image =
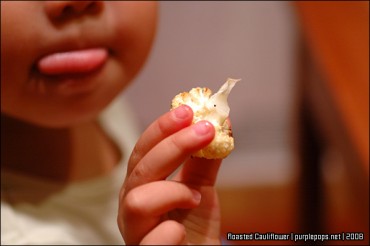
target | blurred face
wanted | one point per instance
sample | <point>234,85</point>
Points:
<point>62,62</point>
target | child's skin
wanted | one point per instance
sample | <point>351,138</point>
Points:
<point>51,97</point>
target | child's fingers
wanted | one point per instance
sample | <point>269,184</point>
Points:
<point>143,207</point>
<point>163,127</point>
<point>167,155</point>
<point>200,171</point>
<point>156,198</point>
<point>169,232</point>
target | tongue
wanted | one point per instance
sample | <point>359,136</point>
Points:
<point>72,62</point>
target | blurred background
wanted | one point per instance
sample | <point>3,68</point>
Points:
<point>300,162</point>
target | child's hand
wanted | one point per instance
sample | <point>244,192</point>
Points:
<point>184,209</point>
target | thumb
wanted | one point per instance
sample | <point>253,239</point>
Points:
<point>199,172</point>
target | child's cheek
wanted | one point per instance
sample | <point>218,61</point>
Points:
<point>134,25</point>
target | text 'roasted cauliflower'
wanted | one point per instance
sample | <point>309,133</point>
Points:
<point>215,109</point>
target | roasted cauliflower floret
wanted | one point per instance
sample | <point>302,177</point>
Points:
<point>215,109</point>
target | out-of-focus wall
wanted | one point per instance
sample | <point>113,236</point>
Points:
<point>204,43</point>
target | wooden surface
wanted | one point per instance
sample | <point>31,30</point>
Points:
<point>259,209</point>
<point>337,34</point>
<point>335,94</point>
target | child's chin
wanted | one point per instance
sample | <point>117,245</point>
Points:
<point>61,120</point>
<point>77,113</point>
<point>61,123</point>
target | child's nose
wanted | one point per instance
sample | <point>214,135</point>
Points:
<point>60,10</point>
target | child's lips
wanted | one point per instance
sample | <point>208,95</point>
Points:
<point>73,62</point>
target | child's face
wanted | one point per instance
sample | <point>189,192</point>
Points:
<point>44,80</point>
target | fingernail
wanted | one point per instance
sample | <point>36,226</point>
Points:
<point>182,112</point>
<point>202,128</point>
<point>196,195</point>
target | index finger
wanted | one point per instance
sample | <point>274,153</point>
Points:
<point>166,156</point>
<point>164,126</point>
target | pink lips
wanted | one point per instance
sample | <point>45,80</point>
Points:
<point>73,62</point>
